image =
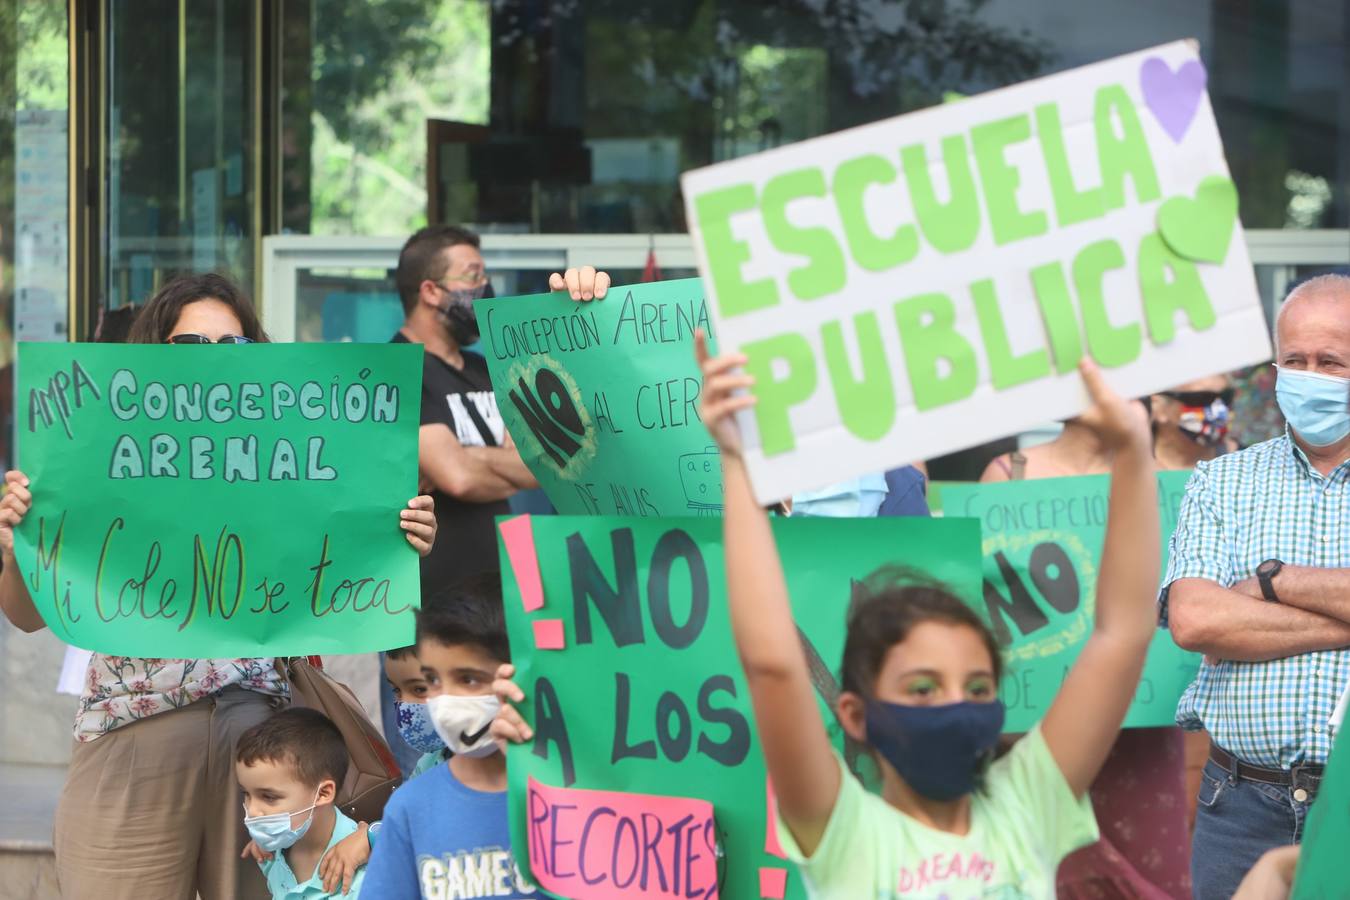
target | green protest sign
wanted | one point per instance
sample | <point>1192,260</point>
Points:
<point>645,765</point>
<point>927,283</point>
<point>1042,546</point>
<point>602,398</point>
<point>1321,869</point>
<point>218,500</point>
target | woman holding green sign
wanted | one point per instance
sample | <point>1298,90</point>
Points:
<point>150,807</point>
<point>920,678</point>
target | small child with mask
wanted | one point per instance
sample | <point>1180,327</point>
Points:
<point>289,768</point>
<point>403,671</point>
<point>453,818</point>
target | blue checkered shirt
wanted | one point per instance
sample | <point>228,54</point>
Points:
<point>1265,502</point>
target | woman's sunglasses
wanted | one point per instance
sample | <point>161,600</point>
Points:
<point>1201,399</point>
<point>203,339</point>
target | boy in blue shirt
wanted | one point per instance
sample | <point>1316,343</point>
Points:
<point>445,833</point>
<point>289,768</point>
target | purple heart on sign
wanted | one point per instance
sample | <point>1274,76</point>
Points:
<point>1172,97</point>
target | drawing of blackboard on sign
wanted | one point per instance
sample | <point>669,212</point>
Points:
<point>701,478</point>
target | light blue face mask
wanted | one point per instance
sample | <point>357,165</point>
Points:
<point>274,833</point>
<point>1314,405</point>
<point>859,498</point>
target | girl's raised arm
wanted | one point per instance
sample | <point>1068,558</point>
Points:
<point>1085,717</point>
<point>797,753</point>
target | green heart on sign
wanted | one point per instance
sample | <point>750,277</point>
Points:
<point>1201,229</point>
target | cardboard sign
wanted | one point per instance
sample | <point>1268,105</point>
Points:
<point>218,500</point>
<point>640,710</point>
<point>924,284</point>
<point>1042,548</point>
<point>602,398</point>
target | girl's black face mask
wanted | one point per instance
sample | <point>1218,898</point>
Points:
<point>940,751</point>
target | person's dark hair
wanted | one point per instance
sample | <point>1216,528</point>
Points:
<point>401,652</point>
<point>114,325</point>
<point>467,613</point>
<point>885,607</point>
<point>304,739</point>
<point>422,259</point>
<point>160,313</point>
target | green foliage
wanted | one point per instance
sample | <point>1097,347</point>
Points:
<point>381,69</point>
<point>43,57</point>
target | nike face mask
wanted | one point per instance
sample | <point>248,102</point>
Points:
<point>463,722</point>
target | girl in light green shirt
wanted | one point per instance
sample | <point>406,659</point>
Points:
<point>920,679</point>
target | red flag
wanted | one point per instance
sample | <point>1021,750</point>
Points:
<point>652,271</point>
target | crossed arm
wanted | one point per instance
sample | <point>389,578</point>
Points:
<point>1238,624</point>
<point>476,474</point>
<point>505,461</point>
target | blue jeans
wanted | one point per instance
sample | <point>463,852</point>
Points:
<point>1236,822</point>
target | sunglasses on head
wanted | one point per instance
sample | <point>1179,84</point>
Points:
<point>203,339</point>
<point>1201,398</point>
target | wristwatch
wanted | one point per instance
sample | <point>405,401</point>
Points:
<point>1265,575</point>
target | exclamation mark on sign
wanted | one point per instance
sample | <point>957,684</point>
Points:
<point>772,882</point>
<point>518,539</point>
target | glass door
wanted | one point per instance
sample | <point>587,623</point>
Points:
<point>179,141</point>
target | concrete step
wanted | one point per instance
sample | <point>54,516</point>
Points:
<point>27,865</point>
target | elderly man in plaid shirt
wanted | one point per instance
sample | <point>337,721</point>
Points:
<point>1259,582</point>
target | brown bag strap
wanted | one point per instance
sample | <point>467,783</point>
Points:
<point>283,665</point>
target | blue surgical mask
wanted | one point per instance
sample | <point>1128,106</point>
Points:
<point>1314,405</point>
<point>856,499</point>
<point>938,750</point>
<point>414,726</point>
<point>274,833</point>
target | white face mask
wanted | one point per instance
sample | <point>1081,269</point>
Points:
<point>273,832</point>
<point>463,722</point>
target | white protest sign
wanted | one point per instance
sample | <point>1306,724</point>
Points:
<point>927,283</point>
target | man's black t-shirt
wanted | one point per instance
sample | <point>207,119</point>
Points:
<point>462,400</point>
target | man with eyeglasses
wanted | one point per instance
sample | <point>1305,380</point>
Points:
<point>466,458</point>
